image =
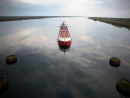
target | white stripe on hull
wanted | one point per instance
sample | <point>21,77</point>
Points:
<point>64,39</point>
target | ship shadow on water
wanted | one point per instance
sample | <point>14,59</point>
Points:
<point>64,48</point>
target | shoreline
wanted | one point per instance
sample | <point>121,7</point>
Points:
<point>16,18</point>
<point>119,22</point>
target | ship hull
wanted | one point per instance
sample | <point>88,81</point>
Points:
<point>64,43</point>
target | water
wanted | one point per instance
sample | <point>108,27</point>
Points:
<point>43,71</point>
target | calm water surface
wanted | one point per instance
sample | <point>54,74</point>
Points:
<point>43,71</point>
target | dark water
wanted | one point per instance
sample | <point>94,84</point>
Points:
<point>43,71</point>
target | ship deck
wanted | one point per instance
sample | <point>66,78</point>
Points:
<point>64,33</point>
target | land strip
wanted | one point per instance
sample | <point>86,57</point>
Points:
<point>15,18</point>
<point>119,22</point>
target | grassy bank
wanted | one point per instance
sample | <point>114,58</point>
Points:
<point>121,22</point>
<point>2,81</point>
<point>15,18</point>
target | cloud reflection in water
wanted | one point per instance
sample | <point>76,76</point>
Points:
<point>44,71</point>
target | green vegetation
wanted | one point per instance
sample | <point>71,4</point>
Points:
<point>11,57</point>
<point>124,83</point>
<point>115,59</point>
<point>120,22</point>
<point>121,80</point>
<point>2,81</point>
<point>13,18</point>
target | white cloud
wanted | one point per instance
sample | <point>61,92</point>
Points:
<point>82,7</point>
<point>97,2</point>
<point>45,2</point>
<point>104,8</point>
<point>76,6</point>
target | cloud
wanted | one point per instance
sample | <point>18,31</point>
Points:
<point>104,8</point>
<point>45,2</point>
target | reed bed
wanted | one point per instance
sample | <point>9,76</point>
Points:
<point>121,22</point>
<point>14,18</point>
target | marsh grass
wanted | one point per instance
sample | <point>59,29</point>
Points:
<point>115,59</point>
<point>11,57</point>
<point>15,18</point>
<point>2,81</point>
<point>125,83</point>
<point>121,22</point>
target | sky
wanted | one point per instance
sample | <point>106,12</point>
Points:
<point>90,8</point>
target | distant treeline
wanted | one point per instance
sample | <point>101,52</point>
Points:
<point>13,18</point>
<point>120,22</point>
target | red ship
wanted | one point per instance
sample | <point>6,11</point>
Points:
<point>64,38</point>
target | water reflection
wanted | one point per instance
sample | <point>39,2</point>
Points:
<point>64,48</point>
<point>43,71</point>
<point>11,63</point>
